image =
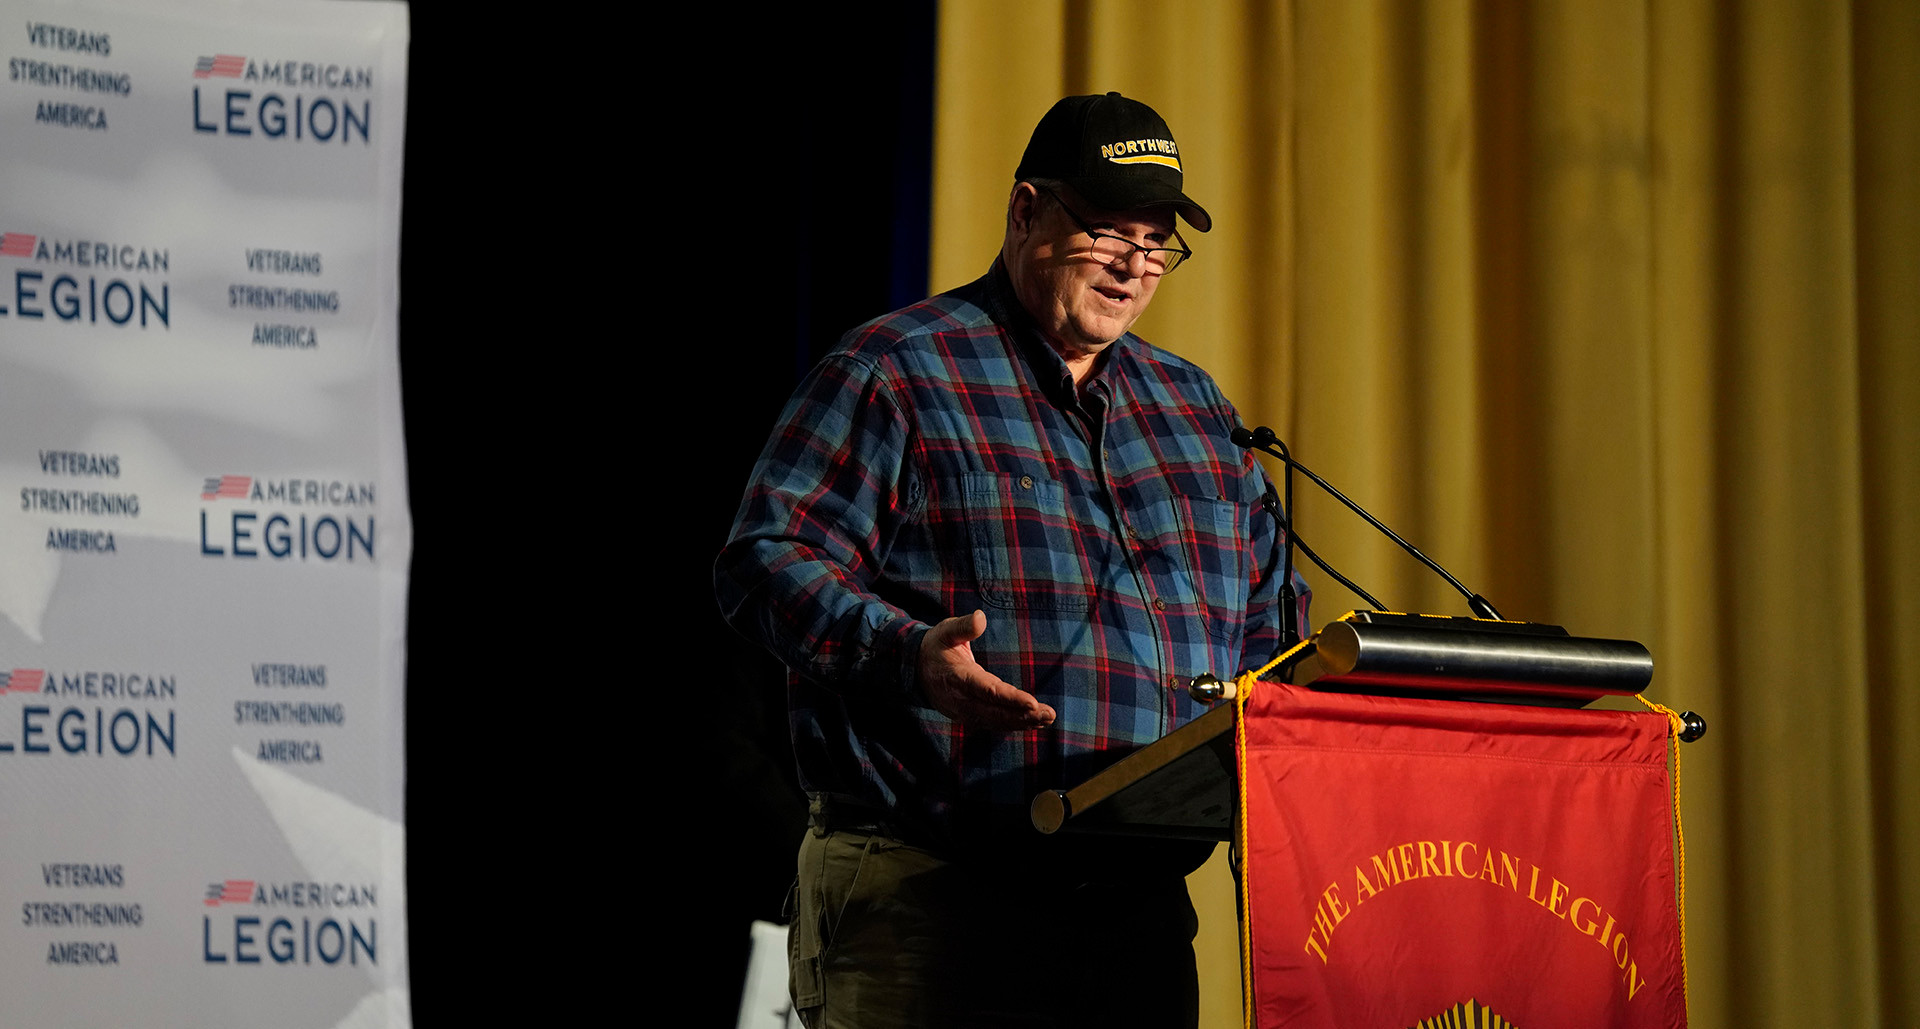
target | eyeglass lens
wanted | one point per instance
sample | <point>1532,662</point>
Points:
<point>1113,250</point>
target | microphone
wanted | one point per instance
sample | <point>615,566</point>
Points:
<point>1246,440</point>
<point>1264,440</point>
<point>1291,632</point>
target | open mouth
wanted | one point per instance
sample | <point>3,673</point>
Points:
<point>1118,296</point>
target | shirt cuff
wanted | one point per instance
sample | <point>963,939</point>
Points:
<point>909,677</point>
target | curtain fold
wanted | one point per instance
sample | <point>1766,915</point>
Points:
<point>1613,309</point>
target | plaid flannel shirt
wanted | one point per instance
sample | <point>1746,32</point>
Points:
<point>942,460</point>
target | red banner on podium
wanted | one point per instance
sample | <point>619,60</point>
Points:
<point>1408,862</point>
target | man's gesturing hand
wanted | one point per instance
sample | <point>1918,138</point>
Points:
<point>962,690</point>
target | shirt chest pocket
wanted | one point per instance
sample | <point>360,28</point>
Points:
<point>1026,548</point>
<point>1218,550</point>
<point>1201,544</point>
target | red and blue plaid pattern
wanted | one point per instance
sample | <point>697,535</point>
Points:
<point>941,460</point>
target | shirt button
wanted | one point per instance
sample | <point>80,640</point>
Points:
<point>1159,605</point>
<point>1026,482</point>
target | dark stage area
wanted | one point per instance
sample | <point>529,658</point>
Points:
<point>613,273</point>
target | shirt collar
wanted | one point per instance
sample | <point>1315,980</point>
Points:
<point>1049,369</point>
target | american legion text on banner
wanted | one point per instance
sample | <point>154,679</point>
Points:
<point>205,544</point>
<point>1425,862</point>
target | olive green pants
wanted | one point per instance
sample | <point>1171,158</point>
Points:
<point>887,935</point>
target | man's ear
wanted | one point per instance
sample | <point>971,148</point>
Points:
<point>1023,206</point>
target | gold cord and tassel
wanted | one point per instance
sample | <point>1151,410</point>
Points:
<point>1675,726</point>
<point>1243,689</point>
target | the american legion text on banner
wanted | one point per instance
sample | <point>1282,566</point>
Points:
<point>205,545</point>
<point>1410,860</point>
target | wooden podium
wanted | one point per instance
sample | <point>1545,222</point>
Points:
<point>1403,859</point>
<point>1183,785</point>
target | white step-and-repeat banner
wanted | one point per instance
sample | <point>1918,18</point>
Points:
<point>204,538</point>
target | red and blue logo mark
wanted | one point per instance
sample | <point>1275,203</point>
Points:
<point>219,66</point>
<point>22,680</point>
<point>226,487</point>
<point>230,891</point>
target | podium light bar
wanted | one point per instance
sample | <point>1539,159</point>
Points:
<point>1469,658</point>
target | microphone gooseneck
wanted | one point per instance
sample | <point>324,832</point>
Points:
<point>1264,440</point>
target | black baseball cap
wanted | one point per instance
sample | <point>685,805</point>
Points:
<point>1116,152</point>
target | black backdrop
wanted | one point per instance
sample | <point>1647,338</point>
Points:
<point>622,244</point>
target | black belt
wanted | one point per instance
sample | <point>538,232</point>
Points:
<point>828,813</point>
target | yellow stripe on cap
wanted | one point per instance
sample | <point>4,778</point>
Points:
<point>1160,159</point>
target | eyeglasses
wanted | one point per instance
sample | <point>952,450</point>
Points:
<point>1114,249</point>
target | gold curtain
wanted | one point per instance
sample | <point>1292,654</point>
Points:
<point>1613,308</point>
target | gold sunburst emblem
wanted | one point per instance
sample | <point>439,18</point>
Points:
<point>1468,1014</point>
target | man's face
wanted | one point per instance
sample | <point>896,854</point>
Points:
<point>1082,301</point>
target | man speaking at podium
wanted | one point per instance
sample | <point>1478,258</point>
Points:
<point>992,537</point>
